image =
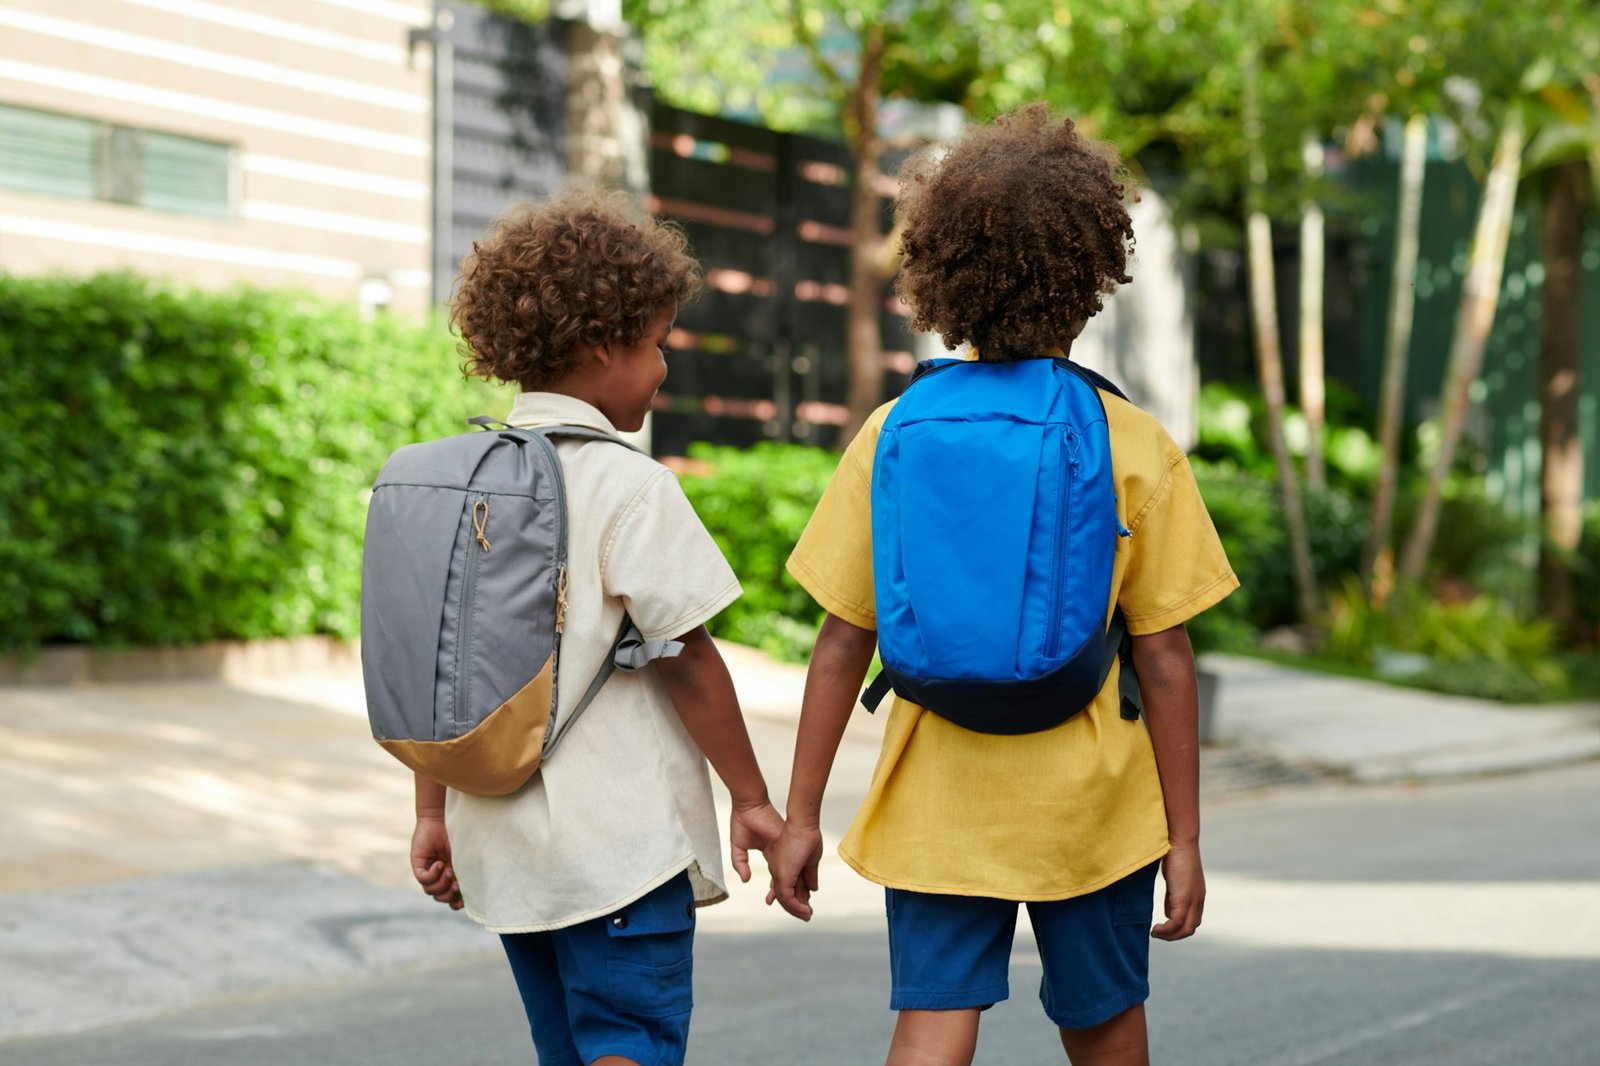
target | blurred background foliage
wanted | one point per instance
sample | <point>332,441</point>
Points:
<point>186,466</point>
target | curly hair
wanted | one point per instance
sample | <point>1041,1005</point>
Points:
<point>583,268</point>
<point>1012,234</point>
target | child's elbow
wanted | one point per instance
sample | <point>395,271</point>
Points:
<point>838,634</point>
<point>1163,652</point>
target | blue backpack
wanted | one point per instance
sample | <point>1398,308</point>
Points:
<point>994,529</point>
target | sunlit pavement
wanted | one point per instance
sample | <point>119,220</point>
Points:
<point>177,891</point>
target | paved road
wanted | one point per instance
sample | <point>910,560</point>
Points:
<point>1452,923</point>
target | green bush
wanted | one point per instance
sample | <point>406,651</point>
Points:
<point>1245,508</point>
<point>1234,427</point>
<point>1477,540</point>
<point>756,503</point>
<point>186,466</point>
<point>1588,568</point>
<point>1476,647</point>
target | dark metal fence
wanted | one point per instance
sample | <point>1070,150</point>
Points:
<point>499,93</point>
<point>761,355</point>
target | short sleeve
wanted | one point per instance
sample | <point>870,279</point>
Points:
<point>1176,565</point>
<point>664,566</point>
<point>833,559</point>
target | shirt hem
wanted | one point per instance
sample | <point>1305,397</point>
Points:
<point>700,615</point>
<point>622,901</point>
<point>996,893</point>
<point>1196,603</point>
<point>827,599</point>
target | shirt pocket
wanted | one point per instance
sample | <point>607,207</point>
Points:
<point>650,952</point>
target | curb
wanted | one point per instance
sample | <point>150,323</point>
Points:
<point>242,660</point>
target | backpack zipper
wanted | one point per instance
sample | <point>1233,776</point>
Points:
<point>1069,471</point>
<point>561,573</point>
<point>469,588</point>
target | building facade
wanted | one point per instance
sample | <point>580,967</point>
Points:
<point>284,143</point>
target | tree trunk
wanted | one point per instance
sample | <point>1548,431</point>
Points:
<point>1396,352</point>
<point>1269,363</point>
<point>1480,296</point>
<point>864,336</point>
<point>1313,392</point>
<point>1269,352</point>
<point>1561,495</point>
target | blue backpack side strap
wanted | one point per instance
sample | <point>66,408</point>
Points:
<point>1119,645</point>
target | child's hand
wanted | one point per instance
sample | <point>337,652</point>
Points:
<point>1186,894</point>
<point>430,862</point>
<point>755,827</point>
<point>794,869</point>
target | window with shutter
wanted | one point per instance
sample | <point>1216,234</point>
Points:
<point>48,153</point>
<point>64,155</point>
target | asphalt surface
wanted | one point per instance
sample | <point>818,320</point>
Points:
<point>1444,923</point>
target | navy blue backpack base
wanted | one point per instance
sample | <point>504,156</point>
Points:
<point>994,533</point>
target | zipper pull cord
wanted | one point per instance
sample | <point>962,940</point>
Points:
<point>480,523</point>
<point>561,599</point>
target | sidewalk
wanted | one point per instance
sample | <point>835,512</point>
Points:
<point>1363,730</point>
<point>175,842</point>
<point>1373,732</point>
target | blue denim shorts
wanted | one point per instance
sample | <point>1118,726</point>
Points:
<point>954,952</point>
<point>618,985</point>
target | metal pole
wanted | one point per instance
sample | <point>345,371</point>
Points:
<point>438,37</point>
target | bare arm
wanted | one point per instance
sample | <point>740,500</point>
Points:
<point>1165,664</point>
<point>702,694</point>
<point>430,845</point>
<point>839,663</point>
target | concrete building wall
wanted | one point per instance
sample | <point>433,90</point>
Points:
<point>1144,337</point>
<point>325,112</point>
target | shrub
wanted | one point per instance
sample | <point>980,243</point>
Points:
<point>1476,647</point>
<point>756,503</point>
<point>1478,541</point>
<point>187,466</point>
<point>1234,428</point>
<point>1245,508</point>
<point>1588,568</point>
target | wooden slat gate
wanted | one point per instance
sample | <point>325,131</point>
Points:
<point>761,355</point>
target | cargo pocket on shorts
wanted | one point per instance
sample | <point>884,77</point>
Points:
<point>650,952</point>
<point>1133,898</point>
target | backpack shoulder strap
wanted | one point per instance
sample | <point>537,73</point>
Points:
<point>582,433</point>
<point>1098,380</point>
<point>629,651</point>
<point>558,430</point>
<point>929,366</point>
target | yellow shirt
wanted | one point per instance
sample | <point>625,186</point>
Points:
<point>1046,815</point>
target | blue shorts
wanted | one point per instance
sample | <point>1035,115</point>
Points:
<point>618,985</point>
<point>954,952</point>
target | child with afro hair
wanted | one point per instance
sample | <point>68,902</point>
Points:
<point>592,872</point>
<point>1014,234</point>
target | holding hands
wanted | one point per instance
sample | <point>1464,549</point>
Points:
<point>755,826</point>
<point>794,869</point>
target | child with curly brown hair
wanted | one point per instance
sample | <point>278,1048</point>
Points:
<point>1013,236</point>
<point>591,872</point>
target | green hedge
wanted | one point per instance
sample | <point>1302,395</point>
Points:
<point>756,503</point>
<point>181,466</point>
<point>1244,507</point>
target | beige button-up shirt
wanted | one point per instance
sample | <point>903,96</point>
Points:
<point>624,803</point>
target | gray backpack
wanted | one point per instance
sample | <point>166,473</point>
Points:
<point>463,603</point>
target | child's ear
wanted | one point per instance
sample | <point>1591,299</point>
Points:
<point>588,353</point>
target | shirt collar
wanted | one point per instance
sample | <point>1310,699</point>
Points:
<point>553,408</point>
